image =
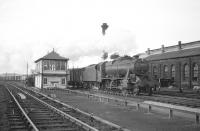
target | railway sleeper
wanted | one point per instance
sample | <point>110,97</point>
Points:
<point>14,119</point>
<point>13,116</point>
<point>14,127</point>
<point>42,116</point>
<point>64,129</point>
<point>49,122</point>
<point>40,112</point>
<point>63,125</point>
<point>19,123</point>
<point>44,119</point>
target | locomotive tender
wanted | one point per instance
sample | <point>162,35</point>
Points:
<point>124,74</point>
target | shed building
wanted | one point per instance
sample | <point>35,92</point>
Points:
<point>180,63</point>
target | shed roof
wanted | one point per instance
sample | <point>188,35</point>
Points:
<point>175,54</point>
<point>52,56</point>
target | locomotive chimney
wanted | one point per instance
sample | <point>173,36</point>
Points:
<point>179,45</point>
<point>163,48</point>
<point>148,51</point>
<point>136,56</point>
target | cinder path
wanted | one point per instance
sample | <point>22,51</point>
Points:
<point>127,117</point>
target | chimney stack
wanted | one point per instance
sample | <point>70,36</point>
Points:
<point>163,48</point>
<point>179,45</point>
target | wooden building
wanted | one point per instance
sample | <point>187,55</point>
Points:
<point>179,63</point>
<point>51,71</point>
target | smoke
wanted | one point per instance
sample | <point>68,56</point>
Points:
<point>29,30</point>
<point>81,52</point>
<point>91,50</point>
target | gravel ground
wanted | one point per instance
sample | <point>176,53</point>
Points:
<point>129,118</point>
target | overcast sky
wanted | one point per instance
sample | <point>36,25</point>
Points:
<point>31,28</point>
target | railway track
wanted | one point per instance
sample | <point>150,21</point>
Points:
<point>183,101</point>
<point>75,113</point>
<point>186,94</point>
<point>15,117</point>
<point>38,116</point>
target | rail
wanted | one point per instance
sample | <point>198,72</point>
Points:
<point>23,112</point>
<point>72,119</point>
<point>150,104</point>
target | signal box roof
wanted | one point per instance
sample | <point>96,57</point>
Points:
<point>52,56</point>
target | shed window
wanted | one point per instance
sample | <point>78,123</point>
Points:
<point>186,72</point>
<point>45,81</point>
<point>195,72</point>
<point>155,71</point>
<point>173,71</point>
<point>165,71</point>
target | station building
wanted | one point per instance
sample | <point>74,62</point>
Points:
<point>51,71</point>
<point>179,63</point>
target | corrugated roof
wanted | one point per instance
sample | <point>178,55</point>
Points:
<point>52,56</point>
<point>175,54</point>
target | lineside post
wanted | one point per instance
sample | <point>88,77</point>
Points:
<point>126,103</point>
<point>138,106</point>
<point>197,118</point>
<point>170,113</point>
<point>108,99</point>
<point>149,108</point>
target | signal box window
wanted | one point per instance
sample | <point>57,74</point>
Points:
<point>195,72</point>
<point>62,65</point>
<point>46,65</point>
<point>45,80</point>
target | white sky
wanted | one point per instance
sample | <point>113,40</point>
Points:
<point>31,28</point>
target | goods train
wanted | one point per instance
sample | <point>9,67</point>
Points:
<point>126,75</point>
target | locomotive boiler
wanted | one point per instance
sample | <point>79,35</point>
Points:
<point>123,74</point>
<point>120,68</point>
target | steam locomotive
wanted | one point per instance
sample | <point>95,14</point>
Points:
<point>126,75</point>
